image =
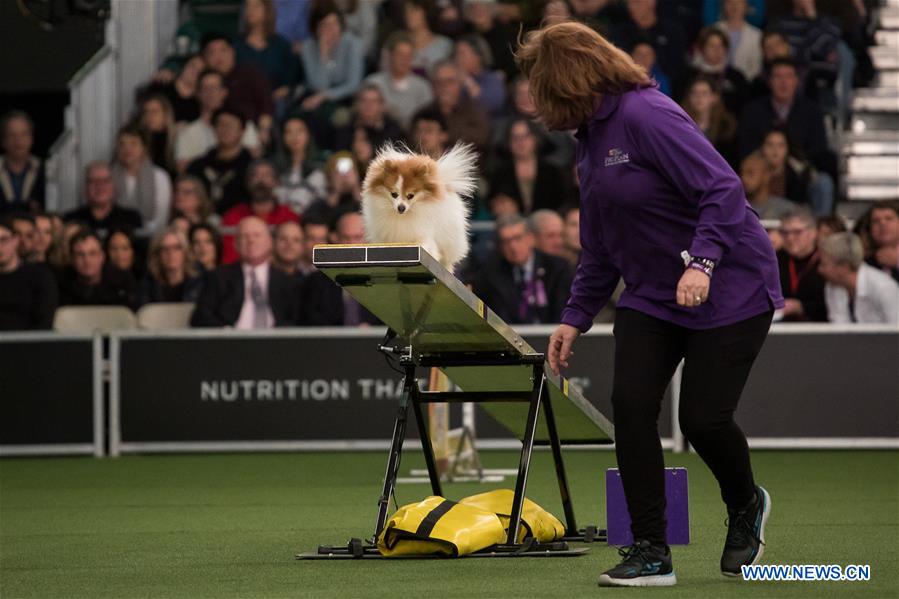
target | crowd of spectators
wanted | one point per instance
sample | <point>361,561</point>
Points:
<point>242,156</point>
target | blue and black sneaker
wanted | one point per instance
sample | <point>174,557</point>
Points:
<point>745,541</point>
<point>644,565</point>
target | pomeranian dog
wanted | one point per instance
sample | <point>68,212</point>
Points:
<point>412,198</point>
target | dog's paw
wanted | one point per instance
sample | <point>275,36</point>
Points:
<point>433,250</point>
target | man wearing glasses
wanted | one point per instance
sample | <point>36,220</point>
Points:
<point>522,284</point>
<point>802,285</point>
<point>101,213</point>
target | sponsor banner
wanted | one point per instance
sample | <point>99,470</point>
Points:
<point>49,400</point>
<point>814,385</point>
<point>255,389</point>
<point>280,388</point>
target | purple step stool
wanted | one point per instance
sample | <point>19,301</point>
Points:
<point>677,512</point>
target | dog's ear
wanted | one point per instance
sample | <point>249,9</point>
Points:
<point>389,165</point>
<point>423,169</point>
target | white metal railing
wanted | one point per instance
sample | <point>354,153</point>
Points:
<point>102,92</point>
<point>90,121</point>
<point>143,31</point>
<point>61,171</point>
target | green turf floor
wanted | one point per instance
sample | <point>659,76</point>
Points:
<point>229,525</point>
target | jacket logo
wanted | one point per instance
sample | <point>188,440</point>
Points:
<point>617,156</point>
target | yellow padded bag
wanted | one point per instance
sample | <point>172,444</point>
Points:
<point>536,521</point>
<point>438,526</point>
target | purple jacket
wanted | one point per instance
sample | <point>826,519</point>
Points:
<point>652,186</point>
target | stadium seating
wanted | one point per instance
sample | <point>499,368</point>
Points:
<point>85,319</point>
<point>165,316</point>
<point>872,148</point>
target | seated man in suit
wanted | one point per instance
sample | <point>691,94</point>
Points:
<point>522,284</point>
<point>248,294</point>
<point>322,302</point>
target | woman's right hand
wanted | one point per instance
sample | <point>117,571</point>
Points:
<point>560,346</point>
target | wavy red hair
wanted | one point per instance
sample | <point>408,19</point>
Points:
<point>570,67</point>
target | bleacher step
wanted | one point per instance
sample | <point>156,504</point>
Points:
<point>876,99</point>
<point>873,168</point>
<point>871,192</point>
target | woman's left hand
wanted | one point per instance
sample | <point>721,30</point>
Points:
<point>693,288</point>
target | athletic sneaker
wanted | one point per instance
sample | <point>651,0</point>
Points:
<point>745,542</point>
<point>644,565</point>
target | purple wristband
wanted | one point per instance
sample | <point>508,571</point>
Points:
<point>703,265</point>
<point>701,268</point>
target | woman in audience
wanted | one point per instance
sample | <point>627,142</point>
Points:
<point>120,253</point>
<point>430,48</point>
<point>206,246</point>
<point>190,201</point>
<point>795,178</point>
<point>703,103</point>
<point>362,148</point>
<point>262,47</point>
<point>370,113</point>
<point>644,55</point>
<point>711,60</point>
<point>158,120</point>
<point>879,231</point>
<point>58,224</point>
<point>301,182</point>
<point>557,147</point>
<point>139,183</point>
<point>44,238</point>
<point>59,257</point>
<point>344,190</point>
<point>525,178</point>
<point>486,87</point>
<point>180,224</point>
<point>182,91</point>
<point>790,176</point>
<point>333,65</point>
<point>745,48</point>
<point>171,272</point>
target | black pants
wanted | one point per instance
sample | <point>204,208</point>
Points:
<point>716,366</point>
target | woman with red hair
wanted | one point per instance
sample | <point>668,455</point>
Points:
<point>661,209</point>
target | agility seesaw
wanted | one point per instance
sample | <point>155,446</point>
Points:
<point>435,321</point>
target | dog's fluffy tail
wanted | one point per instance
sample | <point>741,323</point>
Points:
<point>458,168</point>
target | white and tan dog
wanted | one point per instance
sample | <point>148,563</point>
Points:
<point>412,198</point>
